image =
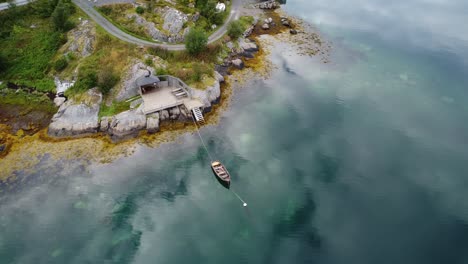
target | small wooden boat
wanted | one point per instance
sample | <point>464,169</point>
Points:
<point>221,174</point>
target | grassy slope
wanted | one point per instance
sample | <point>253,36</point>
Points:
<point>117,15</point>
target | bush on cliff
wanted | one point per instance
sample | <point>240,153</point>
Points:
<point>196,41</point>
<point>235,29</point>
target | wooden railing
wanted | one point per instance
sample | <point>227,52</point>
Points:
<point>176,82</point>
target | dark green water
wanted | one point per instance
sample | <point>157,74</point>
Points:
<point>362,160</point>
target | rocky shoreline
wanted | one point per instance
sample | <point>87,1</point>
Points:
<point>77,119</point>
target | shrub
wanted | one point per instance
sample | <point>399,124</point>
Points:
<point>106,10</point>
<point>149,62</point>
<point>60,64</point>
<point>87,79</point>
<point>140,10</point>
<point>235,29</point>
<point>107,79</point>
<point>196,41</point>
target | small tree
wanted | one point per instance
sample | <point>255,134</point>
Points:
<point>107,79</point>
<point>235,29</point>
<point>60,17</point>
<point>196,41</point>
<point>140,10</point>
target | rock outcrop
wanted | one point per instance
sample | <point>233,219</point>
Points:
<point>82,39</point>
<point>268,5</point>
<point>211,94</point>
<point>127,124</point>
<point>174,20</point>
<point>173,28</point>
<point>127,87</point>
<point>75,119</point>
<point>152,123</point>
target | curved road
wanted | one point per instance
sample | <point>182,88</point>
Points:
<point>87,7</point>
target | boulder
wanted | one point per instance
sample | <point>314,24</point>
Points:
<point>105,123</point>
<point>249,46</point>
<point>152,123</point>
<point>285,23</point>
<point>268,5</point>
<point>164,115</point>
<point>174,113</point>
<point>73,119</point>
<point>270,20</point>
<point>238,63</point>
<point>127,124</point>
<point>58,101</point>
<point>2,147</point>
<point>265,26</point>
<point>293,31</point>
<point>82,39</point>
<point>248,31</point>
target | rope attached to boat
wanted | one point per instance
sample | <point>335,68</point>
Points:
<point>211,158</point>
<point>203,142</point>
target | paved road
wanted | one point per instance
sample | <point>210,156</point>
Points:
<point>4,6</point>
<point>87,7</point>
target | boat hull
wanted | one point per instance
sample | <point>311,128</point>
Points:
<point>225,183</point>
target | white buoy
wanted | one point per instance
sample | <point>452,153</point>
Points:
<point>245,204</point>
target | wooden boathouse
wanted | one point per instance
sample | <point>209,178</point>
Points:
<point>165,91</point>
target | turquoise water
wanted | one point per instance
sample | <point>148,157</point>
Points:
<point>362,160</point>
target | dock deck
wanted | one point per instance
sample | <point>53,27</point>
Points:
<point>162,98</point>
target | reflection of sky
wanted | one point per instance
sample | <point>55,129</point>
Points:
<point>434,24</point>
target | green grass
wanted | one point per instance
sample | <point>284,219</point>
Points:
<point>28,51</point>
<point>113,18</point>
<point>246,21</point>
<point>21,98</point>
<point>113,109</point>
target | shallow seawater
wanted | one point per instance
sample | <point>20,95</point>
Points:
<point>360,160</point>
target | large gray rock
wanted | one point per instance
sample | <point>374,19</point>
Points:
<point>82,39</point>
<point>268,5</point>
<point>105,123</point>
<point>174,113</point>
<point>209,96</point>
<point>152,123</point>
<point>58,101</point>
<point>127,124</point>
<point>249,46</point>
<point>164,115</point>
<point>128,88</point>
<point>174,20</point>
<point>75,119</point>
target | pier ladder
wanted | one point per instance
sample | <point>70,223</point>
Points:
<point>198,115</point>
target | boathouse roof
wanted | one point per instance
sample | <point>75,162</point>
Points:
<point>148,79</point>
